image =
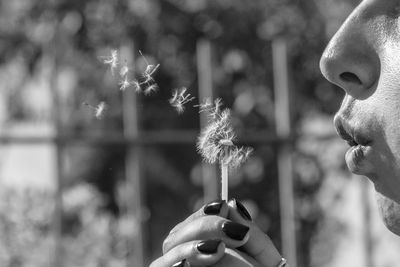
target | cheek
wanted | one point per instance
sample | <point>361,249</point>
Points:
<point>390,213</point>
<point>383,109</point>
<point>389,117</point>
<point>385,103</point>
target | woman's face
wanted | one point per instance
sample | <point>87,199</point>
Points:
<point>363,58</point>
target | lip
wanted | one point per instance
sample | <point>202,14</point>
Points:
<point>356,159</point>
<point>360,146</point>
<point>350,134</point>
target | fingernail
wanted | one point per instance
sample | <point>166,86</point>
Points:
<point>243,211</point>
<point>180,264</point>
<point>208,246</point>
<point>213,208</point>
<point>234,230</point>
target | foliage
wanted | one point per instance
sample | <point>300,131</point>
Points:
<point>92,238</point>
<point>25,227</point>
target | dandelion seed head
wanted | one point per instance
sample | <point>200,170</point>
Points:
<point>237,156</point>
<point>216,141</point>
<point>209,143</point>
<point>226,142</point>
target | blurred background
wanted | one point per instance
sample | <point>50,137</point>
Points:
<point>78,189</point>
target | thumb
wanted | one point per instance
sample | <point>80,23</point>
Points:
<point>259,246</point>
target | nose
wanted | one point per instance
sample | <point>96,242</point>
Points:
<point>351,60</point>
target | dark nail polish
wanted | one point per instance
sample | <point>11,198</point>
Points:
<point>234,230</point>
<point>213,208</point>
<point>208,246</point>
<point>179,264</point>
<point>243,211</point>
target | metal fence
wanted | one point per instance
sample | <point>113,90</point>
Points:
<point>134,139</point>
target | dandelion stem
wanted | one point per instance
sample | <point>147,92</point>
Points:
<point>224,171</point>
<point>224,181</point>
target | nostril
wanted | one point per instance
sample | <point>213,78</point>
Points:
<point>350,77</point>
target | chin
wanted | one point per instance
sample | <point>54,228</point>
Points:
<point>390,213</point>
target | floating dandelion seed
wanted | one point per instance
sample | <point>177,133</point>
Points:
<point>112,60</point>
<point>179,99</point>
<point>99,110</point>
<point>151,89</point>
<point>205,105</point>
<point>125,83</point>
<point>136,85</point>
<point>215,143</point>
<point>149,71</point>
<point>213,109</point>
<point>124,70</point>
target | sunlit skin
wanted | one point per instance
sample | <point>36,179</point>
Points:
<point>363,58</point>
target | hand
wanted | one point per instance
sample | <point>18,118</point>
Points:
<point>219,234</point>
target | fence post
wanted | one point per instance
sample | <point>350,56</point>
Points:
<point>367,231</point>
<point>283,131</point>
<point>132,165</point>
<point>57,260</point>
<point>205,87</point>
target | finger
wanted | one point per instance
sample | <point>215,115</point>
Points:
<point>235,258</point>
<point>209,227</point>
<point>259,245</point>
<point>217,207</point>
<point>196,253</point>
